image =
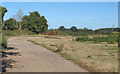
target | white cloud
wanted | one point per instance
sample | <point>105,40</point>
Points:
<point>60,0</point>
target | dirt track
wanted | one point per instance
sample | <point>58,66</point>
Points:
<point>35,58</point>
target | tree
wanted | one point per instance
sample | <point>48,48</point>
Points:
<point>2,12</point>
<point>35,23</point>
<point>61,28</point>
<point>10,24</point>
<point>19,17</point>
<point>73,29</point>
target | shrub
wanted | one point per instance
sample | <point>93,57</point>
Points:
<point>99,39</point>
<point>113,38</point>
<point>59,47</point>
<point>3,42</point>
<point>82,39</point>
<point>51,32</point>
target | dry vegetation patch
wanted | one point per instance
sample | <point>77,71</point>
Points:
<point>93,57</point>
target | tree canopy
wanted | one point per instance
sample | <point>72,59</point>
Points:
<point>73,29</point>
<point>35,23</point>
<point>61,28</point>
<point>10,24</point>
<point>2,12</point>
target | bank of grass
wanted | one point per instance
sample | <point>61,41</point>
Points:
<point>3,41</point>
<point>10,33</point>
<point>17,32</point>
<point>92,57</point>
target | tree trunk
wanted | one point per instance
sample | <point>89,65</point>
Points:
<point>20,26</point>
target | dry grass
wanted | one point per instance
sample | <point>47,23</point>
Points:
<point>93,57</point>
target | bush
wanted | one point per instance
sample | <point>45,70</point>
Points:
<point>59,47</point>
<point>3,42</point>
<point>82,39</point>
<point>51,32</point>
<point>99,39</point>
<point>113,38</point>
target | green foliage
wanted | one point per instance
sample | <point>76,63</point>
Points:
<point>3,41</point>
<point>10,24</point>
<point>113,38</point>
<point>82,39</point>
<point>2,12</point>
<point>106,30</point>
<point>61,28</point>
<point>73,29</point>
<point>99,39</point>
<point>35,23</point>
<point>17,32</point>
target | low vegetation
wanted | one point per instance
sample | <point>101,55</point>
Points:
<point>3,41</point>
<point>17,32</point>
<point>111,39</point>
<point>87,55</point>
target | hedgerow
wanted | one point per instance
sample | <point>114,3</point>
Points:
<point>110,39</point>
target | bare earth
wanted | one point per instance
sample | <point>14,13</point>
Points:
<point>35,58</point>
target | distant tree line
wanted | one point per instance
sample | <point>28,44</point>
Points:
<point>74,31</point>
<point>36,23</point>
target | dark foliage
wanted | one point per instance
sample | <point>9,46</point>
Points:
<point>10,24</point>
<point>113,38</point>
<point>35,23</point>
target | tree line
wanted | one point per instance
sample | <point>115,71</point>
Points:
<point>33,22</point>
<point>36,23</point>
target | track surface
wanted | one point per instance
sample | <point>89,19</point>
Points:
<point>35,58</point>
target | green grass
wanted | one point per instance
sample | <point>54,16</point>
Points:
<point>17,32</point>
<point>111,39</point>
<point>112,49</point>
<point>3,41</point>
<point>41,45</point>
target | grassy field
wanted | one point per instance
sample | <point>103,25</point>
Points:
<point>101,57</point>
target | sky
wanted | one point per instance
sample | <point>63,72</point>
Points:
<point>92,15</point>
<point>59,0</point>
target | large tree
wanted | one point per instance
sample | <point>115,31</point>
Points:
<point>10,24</point>
<point>35,23</point>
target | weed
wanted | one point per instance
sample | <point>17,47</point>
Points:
<point>89,56</point>
<point>73,50</point>
<point>59,47</point>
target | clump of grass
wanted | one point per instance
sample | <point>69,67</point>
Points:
<point>89,56</point>
<point>59,47</point>
<point>67,57</point>
<point>73,50</point>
